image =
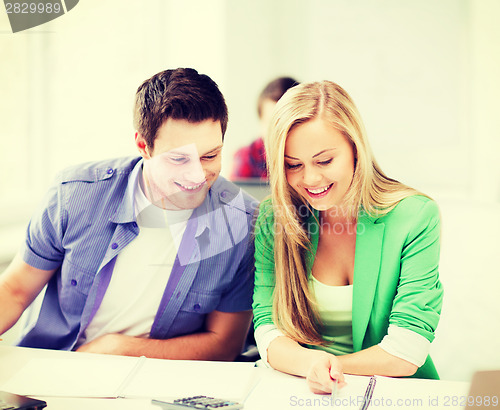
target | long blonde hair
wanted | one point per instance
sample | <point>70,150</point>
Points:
<point>371,191</point>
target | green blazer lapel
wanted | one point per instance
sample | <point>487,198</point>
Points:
<point>369,240</point>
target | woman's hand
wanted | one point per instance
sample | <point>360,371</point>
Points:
<point>321,369</point>
<point>324,371</point>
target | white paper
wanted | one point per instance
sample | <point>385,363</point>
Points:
<point>180,378</point>
<point>280,391</point>
<point>113,376</point>
<point>419,393</point>
<point>277,390</point>
<point>79,377</point>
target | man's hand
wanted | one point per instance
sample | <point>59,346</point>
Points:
<point>324,371</point>
<point>112,343</point>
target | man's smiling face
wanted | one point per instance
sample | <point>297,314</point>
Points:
<point>184,163</point>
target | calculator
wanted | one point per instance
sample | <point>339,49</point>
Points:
<point>198,402</point>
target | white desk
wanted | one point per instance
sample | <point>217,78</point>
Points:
<point>273,391</point>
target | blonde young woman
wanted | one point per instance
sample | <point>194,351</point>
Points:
<point>346,258</point>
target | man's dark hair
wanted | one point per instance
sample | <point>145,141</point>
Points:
<point>275,90</point>
<point>180,94</point>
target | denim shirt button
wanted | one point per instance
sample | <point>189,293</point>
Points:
<point>114,245</point>
<point>197,307</point>
<point>74,282</point>
<point>223,194</point>
<point>110,171</point>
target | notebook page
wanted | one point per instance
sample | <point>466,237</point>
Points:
<point>278,390</point>
<point>419,393</point>
<point>99,376</point>
<point>175,378</point>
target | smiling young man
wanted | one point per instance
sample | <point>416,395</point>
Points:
<point>148,255</point>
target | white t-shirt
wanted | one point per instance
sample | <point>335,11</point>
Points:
<point>141,272</point>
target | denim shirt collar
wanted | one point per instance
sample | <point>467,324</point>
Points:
<point>219,196</point>
<point>125,211</point>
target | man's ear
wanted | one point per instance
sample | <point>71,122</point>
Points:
<point>140,143</point>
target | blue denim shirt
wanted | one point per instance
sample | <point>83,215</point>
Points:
<point>87,218</point>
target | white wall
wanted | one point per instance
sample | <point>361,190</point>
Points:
<point>423,74</point>
<point>405,63</point>
<point>468,335</point>
<point>485,90</point>
<point>419,71</point>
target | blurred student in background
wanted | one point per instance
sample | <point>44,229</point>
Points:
<point>250,161</point>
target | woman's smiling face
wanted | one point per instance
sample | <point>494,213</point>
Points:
<point>319,163</point>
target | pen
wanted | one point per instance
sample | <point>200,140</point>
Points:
<point>368,393</point>
<point>334,391</point>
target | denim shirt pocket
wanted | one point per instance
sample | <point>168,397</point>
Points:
<point>75,284</point>
<point>200,303</point>
<point>191,315</point>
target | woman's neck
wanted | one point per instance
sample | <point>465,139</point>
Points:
<point>337,215</point>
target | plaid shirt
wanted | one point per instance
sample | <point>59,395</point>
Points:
<point>250,161</point>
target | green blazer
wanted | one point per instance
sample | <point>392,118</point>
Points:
<point>396,278</point>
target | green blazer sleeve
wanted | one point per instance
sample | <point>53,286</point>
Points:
<point>396,279</point>
<point>418,300</point>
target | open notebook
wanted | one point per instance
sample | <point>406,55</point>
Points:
<point>280,391</point>
<point>133,377</point>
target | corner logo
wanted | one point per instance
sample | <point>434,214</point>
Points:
<point>31,13</point>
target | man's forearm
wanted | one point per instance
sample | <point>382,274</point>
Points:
<point>10,309</point>
<point>8,317</point>
<point>223,340</point>
<point>19,286</point>
<point>197,346</point>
